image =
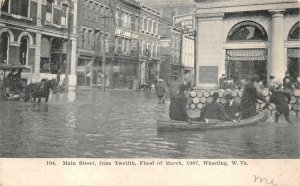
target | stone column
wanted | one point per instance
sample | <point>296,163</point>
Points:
<point>37,57</point>
<point>277,66</point>
<point>39,13</point>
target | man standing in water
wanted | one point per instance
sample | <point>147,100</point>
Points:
<point>249,99</point>
<point>160,91</point>
<point>177,109</point>
<point>281,100</point>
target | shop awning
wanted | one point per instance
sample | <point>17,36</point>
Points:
<point>293,53</point>
<point>246,54</point>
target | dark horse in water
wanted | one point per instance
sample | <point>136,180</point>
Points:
<point>40,90</point>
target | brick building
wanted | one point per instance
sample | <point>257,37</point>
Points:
<point>149,44</point>
<point>94,20</point>
<point>34,33</point>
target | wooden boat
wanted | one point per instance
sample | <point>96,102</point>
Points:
<point>172,125</point>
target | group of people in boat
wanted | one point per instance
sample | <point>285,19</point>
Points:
<point>231,111</point>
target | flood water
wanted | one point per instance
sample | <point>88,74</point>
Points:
<point>122,124</point>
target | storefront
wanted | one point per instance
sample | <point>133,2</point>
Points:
<point>251,39</point>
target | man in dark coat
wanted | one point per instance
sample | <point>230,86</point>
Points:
<point>222,81</point>
<point>231,107</point>
<point>160,91</point>
<point>249,99</point>
<point>287,82</point>
<point>281,100</point>
<point>214,110</point>
<point>177,109</point>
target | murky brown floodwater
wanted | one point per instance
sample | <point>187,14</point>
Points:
<point>122,124</point>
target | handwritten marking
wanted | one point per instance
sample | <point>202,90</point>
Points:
<point>261,180</point>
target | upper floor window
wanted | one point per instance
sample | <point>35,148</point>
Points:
<point>18,7</point>
<point>247,31</point>
<point>150,26</point>
<point>145,24</point>
<point>294,33</point>
<point>49,11</point>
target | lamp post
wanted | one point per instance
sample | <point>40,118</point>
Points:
<point>68,60</point>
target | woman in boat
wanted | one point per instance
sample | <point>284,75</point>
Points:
<point>214,110</point>
<point>177,109</point>
<point>249,99</point>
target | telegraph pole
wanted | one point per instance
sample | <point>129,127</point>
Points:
<point>103,60</point>
<point>68,60</point>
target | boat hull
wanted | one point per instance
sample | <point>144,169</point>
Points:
<point>173,125</point>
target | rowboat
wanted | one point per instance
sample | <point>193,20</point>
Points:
<point>169,125</point>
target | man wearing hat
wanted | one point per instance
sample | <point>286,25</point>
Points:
<point>231,107</point>
<point>222,81</point>
<point>177,109</point>
<point>287,82</point>
<point>249,99</point>
<point>272,82</point>
<point>214,110</point>
<point>281,100</point>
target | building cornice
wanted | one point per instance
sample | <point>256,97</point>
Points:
<point>245,6</point>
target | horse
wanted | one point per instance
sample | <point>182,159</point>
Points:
<point>40,90</point>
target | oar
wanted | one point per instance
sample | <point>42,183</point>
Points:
<point>280,115</point>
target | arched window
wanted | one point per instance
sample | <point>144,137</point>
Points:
<point>247,31</point>
<point>4,47</point>
<point>23,55</point>
<point>294,33</point>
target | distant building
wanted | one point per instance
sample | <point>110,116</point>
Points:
<point>123,66</point>
<point>94,20</point>
<point>170,43</point>
<point>149,45</point>
<point>171,8</point>
<point>34,33</point>
<point>244,39</point>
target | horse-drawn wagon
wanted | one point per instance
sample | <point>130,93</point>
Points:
<point>12,87</point>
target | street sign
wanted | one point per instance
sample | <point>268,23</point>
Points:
<point>186,21</point>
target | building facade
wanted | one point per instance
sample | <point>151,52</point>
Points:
<point>171,8</point>
<point>170,43</point>
<point>34,33</point>
<point>124,64</point>
<point>149,45</point>
<point>94,21</point>
<point>244,39</point>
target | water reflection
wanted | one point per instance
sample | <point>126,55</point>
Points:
<point>122,124</point>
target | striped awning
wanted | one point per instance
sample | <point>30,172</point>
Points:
<point>293,53</point>
<point>246,54</point>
